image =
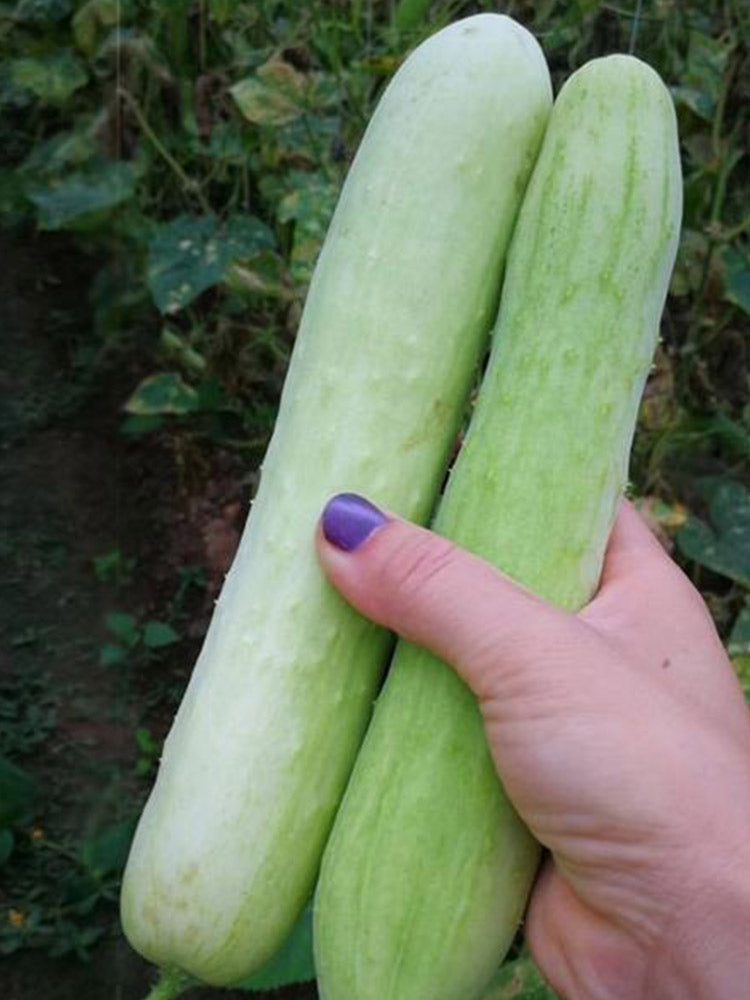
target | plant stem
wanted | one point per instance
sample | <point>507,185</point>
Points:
<point>189,185</point>
<point>409,14</point>
<point>202,21</point>
<point>172,983</point>
<point>728,163</point>
<point>734,231</point>
<point>627,14</point>
<point>635,26</point>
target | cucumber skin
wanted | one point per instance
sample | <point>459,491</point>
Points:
<point>428,868</point>
<point>228,846</point>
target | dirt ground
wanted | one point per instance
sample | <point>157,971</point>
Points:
<point>74,488</point>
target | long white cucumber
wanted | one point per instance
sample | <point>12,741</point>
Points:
<point>397,316</point>
<point>428,867</point>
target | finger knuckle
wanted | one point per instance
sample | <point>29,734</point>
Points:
<point>422,566</point>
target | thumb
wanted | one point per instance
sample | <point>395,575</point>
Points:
<point>436,594</point>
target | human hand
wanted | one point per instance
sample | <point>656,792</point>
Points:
<point>620,734</point>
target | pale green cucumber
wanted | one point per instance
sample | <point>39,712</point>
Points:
<point>397,316</point>
<point>427,870</point>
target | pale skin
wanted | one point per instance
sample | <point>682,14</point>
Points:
<point>621,736</point>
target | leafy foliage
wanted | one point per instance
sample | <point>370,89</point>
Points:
<point>739,638</point>
<point>53,78</point>
<point>68,201</point>
<point>519,979</point>
<point>65,921</point>
<point>723,545</point>
<point>736,266</point>
<point>165,392</point>
<point>132,637</point>
<point>742,666</point>
<point>42,12</point>
<point>294,961</point>
<point>107,851</point>
<point>192,253</point>
<point>17,793</point>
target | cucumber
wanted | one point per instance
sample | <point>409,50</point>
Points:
<point>428,867</point>
<point>397,316</point>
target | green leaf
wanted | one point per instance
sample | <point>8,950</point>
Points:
<point>308,138</point>
<point>93,20</point>
<point>14,209</point>
<point>69,200</point>
<point>212,398</point>
<point>112,655</point>
<point>156,635</point>
<point>693,434</point>
<point>698,102</point>
<point>124,626</point>
<point>739,637</point>
<point>6,845</point>
<point>736,278</point>
<point>702,79</point>
<point>519,980</point>
<point>409,15</point>
<point>274,95</point>
<point>741,665</point>
<point>108,851</point>
<point>118,294</point>
<point>266,276</point>
<point>229,142</point>
<point>690,263</point>
<point>730,435</point>
<point>146,742</point>
<point>113,567</point>
<point>293,963</point>
<point>53,78</point>
<point>17,792</point>
<point>135,425</point>
<point>80,891</point>
<point>162,393</point>
<point>42,11</point>
<point>175,344</point>
<point>191,253</point>
<point>263,105</point>
<point>309,201</point>
<point>62,151</point>
<point>723,545</point>
<point>221,11</point>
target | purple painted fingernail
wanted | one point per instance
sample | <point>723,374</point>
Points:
<point>349,519</point>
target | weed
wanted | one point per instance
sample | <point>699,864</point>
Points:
<point>28,712</point>
<point>59,889</point>
<point>114,567</point>
<point>149,752</point>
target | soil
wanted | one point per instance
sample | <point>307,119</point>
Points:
<point>74,488</point>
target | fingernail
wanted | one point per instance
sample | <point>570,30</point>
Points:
<point>349,519</point>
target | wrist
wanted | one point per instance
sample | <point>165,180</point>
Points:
<point>705,952</point>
